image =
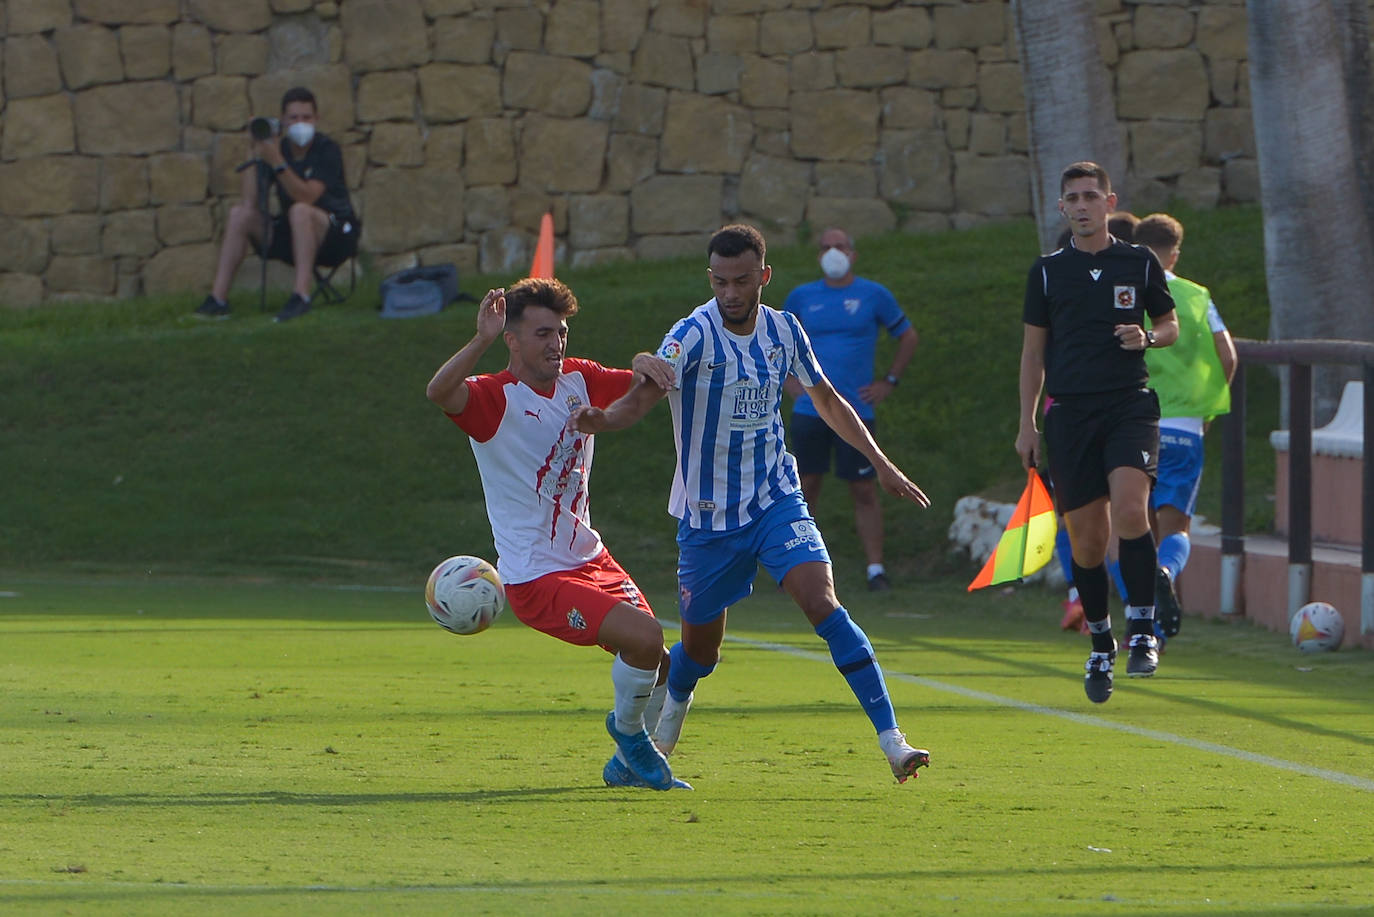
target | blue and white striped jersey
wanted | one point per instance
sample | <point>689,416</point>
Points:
<point>732,459</point>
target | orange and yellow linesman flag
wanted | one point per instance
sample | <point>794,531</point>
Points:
<point>542,266</point>
<point>1028,543</point>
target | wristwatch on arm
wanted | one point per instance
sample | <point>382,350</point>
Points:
<point>891,380</point>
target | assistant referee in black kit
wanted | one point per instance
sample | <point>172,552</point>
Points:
<point>1085,344</point>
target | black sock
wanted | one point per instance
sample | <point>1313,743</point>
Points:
<point>1138,561</point>
<point>1092,592</point>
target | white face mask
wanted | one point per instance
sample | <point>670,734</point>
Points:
<point>834,263</point>
<point>301,133</point>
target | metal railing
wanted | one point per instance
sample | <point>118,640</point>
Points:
<point>1299,357</point>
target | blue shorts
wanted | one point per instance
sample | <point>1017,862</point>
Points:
<point>717,569</point>
<point>1180,470</point>
<point>813,442</point>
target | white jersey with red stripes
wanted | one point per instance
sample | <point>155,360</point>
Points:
<point>534,470</point>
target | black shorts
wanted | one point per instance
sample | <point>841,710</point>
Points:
<point>340,241</point>
<point>813,442</point>
<point>1090,435</point>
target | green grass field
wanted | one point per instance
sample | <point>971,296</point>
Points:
<point>173,746</point>
<point>219,691</point>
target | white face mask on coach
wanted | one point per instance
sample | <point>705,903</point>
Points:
<point>834,263</point>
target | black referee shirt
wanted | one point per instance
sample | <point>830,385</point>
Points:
<point>1080,298</point>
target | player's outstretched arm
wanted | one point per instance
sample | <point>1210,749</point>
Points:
<point>1032,379</point>
<point>656,369</point>
<point>446,389</point>
<point>1226,352</point>
<point>622,413</point>
<point>840,416</point>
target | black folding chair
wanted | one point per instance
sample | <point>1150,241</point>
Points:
<point>325,291</point>
<point>323,274</point>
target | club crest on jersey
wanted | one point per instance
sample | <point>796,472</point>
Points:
<point>775,353</point>
<point>851,306</point>
<point>574,402</point>
<point>671,351</point>
<point>1125,297</point>
<point>575,620</point>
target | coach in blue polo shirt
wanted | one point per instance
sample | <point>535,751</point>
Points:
<point>842,314</point>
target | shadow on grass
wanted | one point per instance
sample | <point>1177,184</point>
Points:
<point>285,798</point>
<point>727,888</point>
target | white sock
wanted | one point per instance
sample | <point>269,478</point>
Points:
<point>655,706</point>
<point>668,730</point>
<point>876,570</point>
<point>632,689</point>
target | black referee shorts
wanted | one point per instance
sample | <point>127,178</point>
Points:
<point>1088,436</point>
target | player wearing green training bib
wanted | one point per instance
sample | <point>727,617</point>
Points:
<point>1193,381</point>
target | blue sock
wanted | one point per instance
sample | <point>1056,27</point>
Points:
<point>1064,551</point>
<point>853,656</point>
<point>1114,568</point>
<point>684,672</point>
<point>1173,553</point>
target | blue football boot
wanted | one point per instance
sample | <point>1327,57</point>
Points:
<point>617,773</point>
<point>643,757</point>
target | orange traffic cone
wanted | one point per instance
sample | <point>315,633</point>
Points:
<point>542,266</point>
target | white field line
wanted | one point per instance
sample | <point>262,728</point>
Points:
<point>1084,719</point>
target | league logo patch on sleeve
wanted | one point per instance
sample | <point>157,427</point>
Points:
<point>1125,297</point>
<point>671,351</point>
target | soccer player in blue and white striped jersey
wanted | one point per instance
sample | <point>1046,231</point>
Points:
<point>736,492</point>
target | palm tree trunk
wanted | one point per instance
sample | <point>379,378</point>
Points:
<point>1319,253</point>
<point>1070,110</point>
<point>1352,27</point>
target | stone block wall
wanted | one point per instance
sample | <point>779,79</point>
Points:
<point>641,124</point>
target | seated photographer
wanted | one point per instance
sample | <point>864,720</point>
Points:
<point>316,224</point>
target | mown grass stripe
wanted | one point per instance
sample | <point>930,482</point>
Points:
<point>1085,719</point>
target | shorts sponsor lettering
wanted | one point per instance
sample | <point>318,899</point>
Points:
<point>804,533</point>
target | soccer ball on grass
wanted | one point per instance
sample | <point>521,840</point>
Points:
<point>464,595</point>
<point>1317,626</point>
